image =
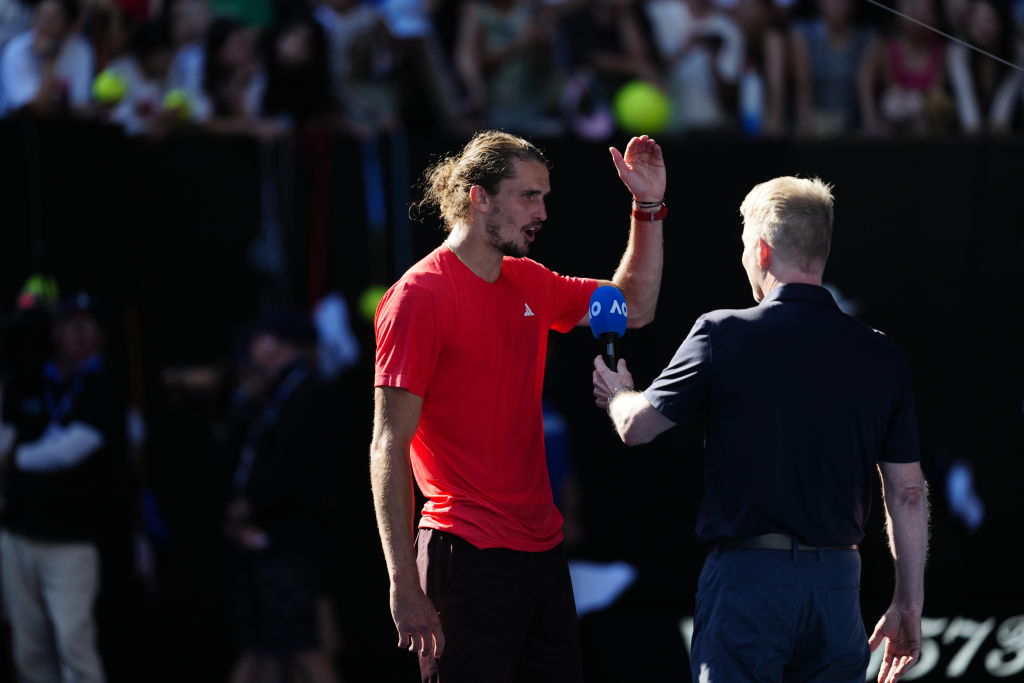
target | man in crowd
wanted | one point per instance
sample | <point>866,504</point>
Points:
<point>59,478</point>
<point>48,69</point>
<point>281,512</point>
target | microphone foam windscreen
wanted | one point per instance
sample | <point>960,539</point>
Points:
<point>607,311</point>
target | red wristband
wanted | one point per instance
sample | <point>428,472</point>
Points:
<point>648,215</point>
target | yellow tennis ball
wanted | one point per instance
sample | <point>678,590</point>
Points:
<point>369,299</point>
<point>641,108</point>
<point>177,100</point>
<point>109,87</point>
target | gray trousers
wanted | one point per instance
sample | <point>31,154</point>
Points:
<point>49,590</point>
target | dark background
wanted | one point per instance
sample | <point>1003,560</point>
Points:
<point>928,243</point>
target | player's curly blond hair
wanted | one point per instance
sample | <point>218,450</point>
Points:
<point>486,160</point>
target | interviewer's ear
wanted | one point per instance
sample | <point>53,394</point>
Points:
<point>764,253</point>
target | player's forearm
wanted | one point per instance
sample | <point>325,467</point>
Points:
<point>391,481</point>
<point>907,523</point>
<point>639,272</point>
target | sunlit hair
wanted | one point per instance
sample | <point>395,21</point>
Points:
<point>486,160</point>
<point>794,216</point>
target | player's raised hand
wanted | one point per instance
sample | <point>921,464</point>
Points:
<point>642,168</point>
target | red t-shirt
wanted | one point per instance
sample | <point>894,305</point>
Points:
<point>475,351</point>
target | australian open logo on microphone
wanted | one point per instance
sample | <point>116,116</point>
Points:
<point>617,308</point>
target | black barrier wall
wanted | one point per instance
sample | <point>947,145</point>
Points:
<point>190,236</point>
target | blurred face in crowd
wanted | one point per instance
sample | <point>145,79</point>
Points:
<point>268,353</point>
<point>983,26</point>
<point>189,19</point>
<point>752,15</point>
<point>836,12</point>
<point>295,45</point>
<point>923,11</point>
<point>157,63</point>
<point>79,338</point>
<point>50,28</point>
<point>263,349</point>
<point>342,6</point>
<point>700,7</point>
<point>956,12</point>
<point>239,50</point>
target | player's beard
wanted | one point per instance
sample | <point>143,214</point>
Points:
<point>506,247</point>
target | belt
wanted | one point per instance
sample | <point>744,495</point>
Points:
<point>772,541</point>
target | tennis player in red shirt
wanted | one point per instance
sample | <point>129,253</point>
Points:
<point>483,591</point>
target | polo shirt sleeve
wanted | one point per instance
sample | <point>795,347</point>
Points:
<point>409,338</point>
<point>900,444</point>
<point>570,299</point>
<point>683,385</point>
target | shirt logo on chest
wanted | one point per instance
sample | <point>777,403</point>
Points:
<point>528,312</point>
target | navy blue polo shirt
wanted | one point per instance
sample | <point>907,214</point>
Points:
<point>801,402</point>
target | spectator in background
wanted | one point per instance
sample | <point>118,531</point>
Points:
<point>505,57</point>
<point>954,14</point>
<point>60,470</point>
<point>903,89</point>
<point>15,17</point>
<point>362,65</point>
<point>762,87</point>
<point>281,517</point>
<point>298,74</point>
<point>145,71</point>
<point>829,55</point>
<point>702,50</point>
<point>189,20</point>
<point>48,69</point>
<point>606,38</point>
<point>234,80</point>
<point>607,48</point>
<point>106,27</point>
<point>425,72</point>
<point>986,92</point>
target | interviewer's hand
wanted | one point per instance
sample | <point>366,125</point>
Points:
<point>642,168</point>
<point>607,382</point>
<point>416,620</point>
<point>900,628</point>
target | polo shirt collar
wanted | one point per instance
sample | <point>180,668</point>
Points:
<point>800,292</point>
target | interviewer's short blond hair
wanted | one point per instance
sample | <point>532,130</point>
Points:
<point>794,216</point>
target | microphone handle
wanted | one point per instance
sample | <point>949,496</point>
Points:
<point>610,349</point>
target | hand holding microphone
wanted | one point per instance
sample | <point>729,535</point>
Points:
<point>608,317</point>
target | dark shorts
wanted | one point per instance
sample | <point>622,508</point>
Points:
<point>508,616</point>
<point>772,615</point>
<point>275,602</point>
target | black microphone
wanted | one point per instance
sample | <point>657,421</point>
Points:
<point>608,322</point>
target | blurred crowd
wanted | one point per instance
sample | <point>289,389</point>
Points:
<point>760,68</point>
<point>125,531</point>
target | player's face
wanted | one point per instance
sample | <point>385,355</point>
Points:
<point>518,209</point>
